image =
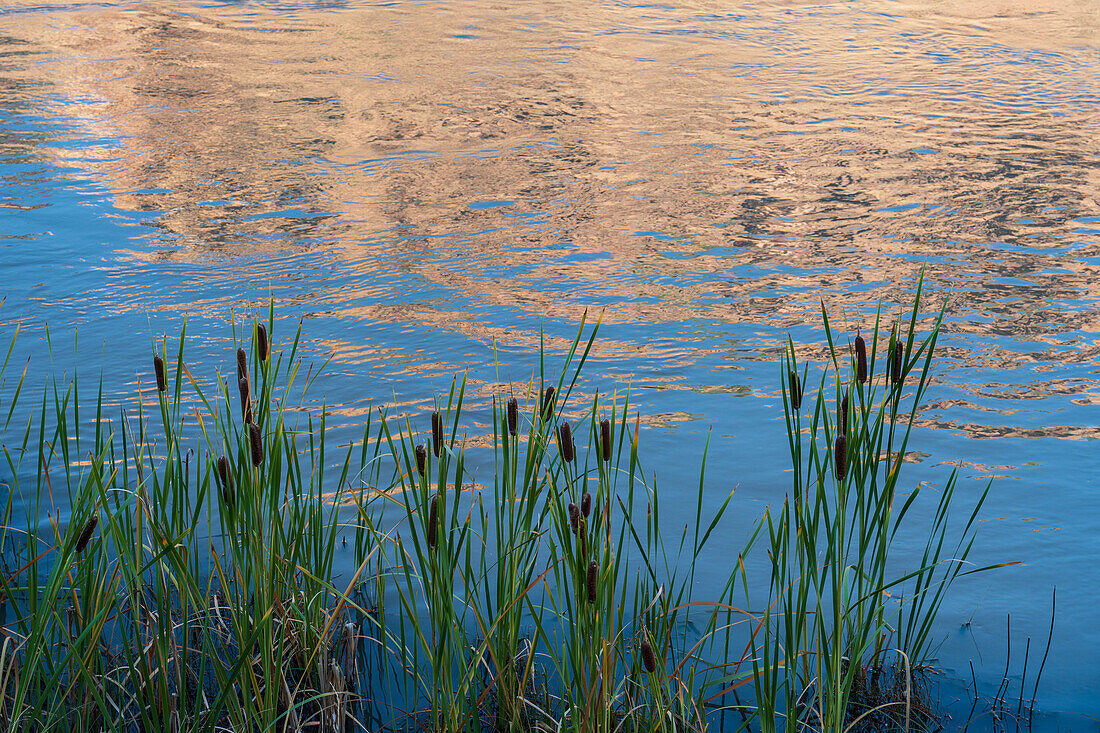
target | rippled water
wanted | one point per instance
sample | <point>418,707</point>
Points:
<point>421,181</point>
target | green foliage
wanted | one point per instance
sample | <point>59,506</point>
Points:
<point>194,585</point>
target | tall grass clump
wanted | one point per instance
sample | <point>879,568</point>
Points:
<point>184,565</point>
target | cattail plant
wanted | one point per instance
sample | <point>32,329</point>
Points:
<point>256,442</point>
<point>421,459</point>
<point>796,389</point>
<point>840,452</point>
<point>586,504</point>
<point>591,584</point>
<point>605,439</point>
<point>437,433</point>
<point>225,482</point>
<point>158,368</point>
<point>861,359</point>
<point>649,659</point>
<point>565,442</point>
<point>548,404</point>
<point>262,345</point>
<point>86,533</point>
<point>513,416</point>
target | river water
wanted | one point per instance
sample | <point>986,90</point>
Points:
<point>430,185</point>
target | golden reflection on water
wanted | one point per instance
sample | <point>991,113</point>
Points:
<point>663,163</point>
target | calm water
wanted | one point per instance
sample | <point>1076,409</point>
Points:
<point>419,181</point>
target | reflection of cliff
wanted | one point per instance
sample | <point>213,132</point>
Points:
<point>771,157</point>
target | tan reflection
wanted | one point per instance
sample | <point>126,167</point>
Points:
<point>797,154</point>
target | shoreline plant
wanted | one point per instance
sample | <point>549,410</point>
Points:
<point>195,584</point>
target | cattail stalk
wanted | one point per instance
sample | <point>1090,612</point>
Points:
<point>513,416</point>
<point>605,439</point>
<point>421,459</point>
<point>591,581</point>
<point>861,359</point>
<point>158,367</point>
<point>262,345</point>
<point>840,452</point>
<point>437,433</point>
<point>86,533</point>
<point>795,389</point>
<point>256,441</point>
<point>565,443</point>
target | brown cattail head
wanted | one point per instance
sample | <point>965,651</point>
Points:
<point>158,367</point>
<point>565,443</point>
<point>840,453</point>
<point>574,517</point>
<point>262,345</point>
<point>896,362</point>
<point>246,399</point>
<point>433,520</point>
<point>437,433</point>
<point>421,459</point>
<point>586,504</point>
<point>548,403</point>
<point>795,389</point>
<point>225,481</point>
<point>649,659</point>
<point>861,359</point>
<point>590,580</point>
<point>513,416</point>
<point>86,533</point>
<point>256,441</point>
<point>605,439</point>
<point>842,416</point>
<point>242,365</point>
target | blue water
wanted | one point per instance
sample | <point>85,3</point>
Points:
<point>429,187</point>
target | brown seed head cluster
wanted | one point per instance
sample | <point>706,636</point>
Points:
<point>225,481</point>
<point>591,581</point>
<point>433,520</point>
<point>861,359</point>
<point>649,659</point>
<point>574,517</point>
<point>513,416</point>
<point>586,504</point>
<point>795,389</point>
<point>565,443</point>
<point>421,459</point>
<point>605,439</point>
<point>256,441</point>
<point>158,368</point>
<point>262,345</point>
<point>840,452</point>
<point>86,533</point>
<point>437,433</point>
<point>548,404</point>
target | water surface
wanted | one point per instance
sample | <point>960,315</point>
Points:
<point>433,185</point>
